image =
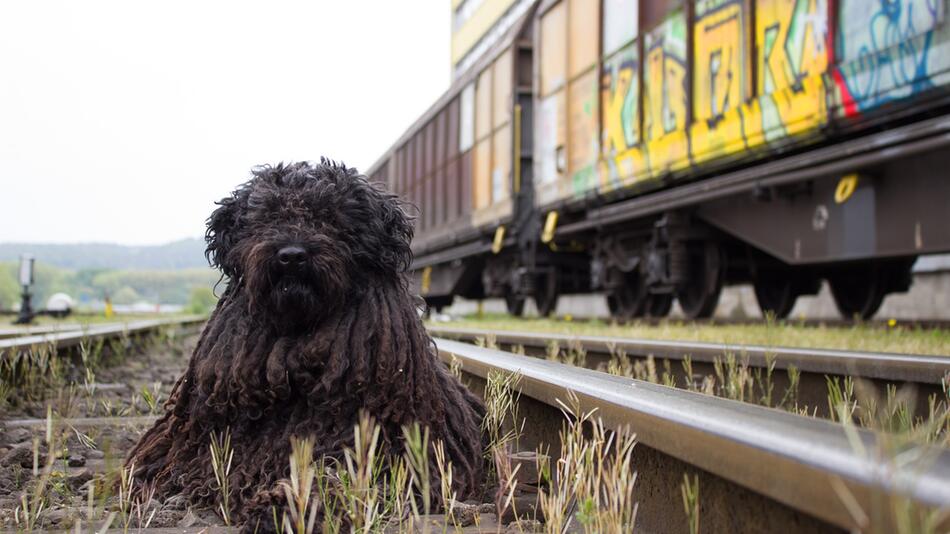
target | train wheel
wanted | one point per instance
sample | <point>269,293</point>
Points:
<point>629,297</point>
<point>704,284</point>
<point>659,306</point>
<point>545,297</point>
<point>859,292</point>
<point>515,304</point>
<point>776,295</point>
<point>613,306</point>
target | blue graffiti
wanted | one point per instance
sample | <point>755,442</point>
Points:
<point>885,53</point>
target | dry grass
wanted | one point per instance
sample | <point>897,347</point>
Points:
<point>593,480</point>
<point>903,339</point>
<point>902,444</point>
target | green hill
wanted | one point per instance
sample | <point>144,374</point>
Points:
<point>162,274</point>
<point>182,254</point>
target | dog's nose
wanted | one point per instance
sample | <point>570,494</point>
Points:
<point>292,256</point>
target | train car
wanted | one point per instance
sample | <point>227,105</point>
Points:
<point>462,165</point>
<point>663,149</point>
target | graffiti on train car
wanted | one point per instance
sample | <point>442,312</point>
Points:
<point>622,158</point>
<point>791,43</point>
<point>720,57</point>
<point>720,79</point>
<point>791,40</point>
<point>746,97</point>
<point>884,50</point>
<point>665,95</point>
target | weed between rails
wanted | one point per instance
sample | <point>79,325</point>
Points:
<point>369,491</point>
<point>733,378</point>
<point>51,495</point>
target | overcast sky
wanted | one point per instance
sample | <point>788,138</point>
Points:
<point>124,121</point>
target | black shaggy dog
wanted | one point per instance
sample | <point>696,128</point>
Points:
<point>316,325</point>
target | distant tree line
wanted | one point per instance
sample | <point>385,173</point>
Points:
<point>182,254</point>
<point>189,287</point>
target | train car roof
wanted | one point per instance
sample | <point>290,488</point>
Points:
<point>458,85</point>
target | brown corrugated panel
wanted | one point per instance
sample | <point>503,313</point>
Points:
<point>452,190</point>
<point>501,100</point>
<point>385,178</point>
<point>407,182</point>
<point>418,163</point>
<point>483,99</point>
<point>428,202</point>
<point>414,199</point>
<point>392,172</point>
<point>440,139</point>
<point>429,149</point>
<point>401,172</point>
<point>410,175</point>
<point>583,28</point>
<point>419,157</point>
<point>465,183</point>
<point>452,133</point>
<point>553,48</point>
<point>481,177</point>
<point>438,198</point>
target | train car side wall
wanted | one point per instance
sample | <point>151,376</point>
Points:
<point>687,84</point>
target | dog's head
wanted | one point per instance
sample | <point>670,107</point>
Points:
<point>302,238</point>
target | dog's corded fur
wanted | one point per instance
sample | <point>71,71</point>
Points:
<point>302,355</point>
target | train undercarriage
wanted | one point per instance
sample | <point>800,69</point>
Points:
<point>858,222</point>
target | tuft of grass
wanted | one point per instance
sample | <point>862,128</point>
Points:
<point>619,364</point>
<point>416,442</point>
<point>153,398</point>
<point>444,468</point>
<point>690,491</point>
<point>221,457</point>
<point>593,480</point>
<point>301,513</point>
<point>361,489</point>
<point>734,377</point>
<point>902,454</point>
<point>501,426</point>
<point>841,401</point>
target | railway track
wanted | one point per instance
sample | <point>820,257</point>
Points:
<point>760,469</point>
<point>924,374</point>
<point>72,335</point>
<point>920,324</point>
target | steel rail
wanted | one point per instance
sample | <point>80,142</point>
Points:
<point>786,457</point>
<point>72,338</point>
<point>921,369</point>
<point>35,330</point>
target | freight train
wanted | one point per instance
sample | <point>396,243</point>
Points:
<point>658,149</point>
